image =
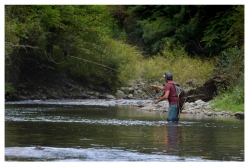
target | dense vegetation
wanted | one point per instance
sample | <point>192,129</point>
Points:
<point>109,46</point>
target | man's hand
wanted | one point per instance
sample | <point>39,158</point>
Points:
<point>157,87</point>
<point>156,101</point>
<point>154,86</point>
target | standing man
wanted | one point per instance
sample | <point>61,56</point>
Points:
<point>170,95</point>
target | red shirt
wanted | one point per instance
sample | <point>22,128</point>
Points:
<point>172,99</point>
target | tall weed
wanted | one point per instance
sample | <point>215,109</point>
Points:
<point>127,59</point>
<point>180,64</point>
<point>230,100</point>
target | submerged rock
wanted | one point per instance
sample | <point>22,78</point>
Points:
<point>39,148</point>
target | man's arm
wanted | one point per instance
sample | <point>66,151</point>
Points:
<point>163,97</point>
<point>158,87</point>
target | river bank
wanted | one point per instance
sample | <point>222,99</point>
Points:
<point>197,107</point>
<point>138,93</point>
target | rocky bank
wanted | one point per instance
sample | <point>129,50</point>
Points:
<point>140,91</point>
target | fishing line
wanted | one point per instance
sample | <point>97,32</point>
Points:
<point>95,63</point>
<point>49,57</point>
<point>161,117</point>
<point>160,111</point>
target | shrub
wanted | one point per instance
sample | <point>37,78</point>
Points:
<point>10,91</point>
<point>180,64</point>
<point>230,100</point>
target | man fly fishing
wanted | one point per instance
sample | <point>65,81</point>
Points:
<point>170,94</point>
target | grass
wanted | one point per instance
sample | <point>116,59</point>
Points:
<point>180,64</point>
<point>230,100</point>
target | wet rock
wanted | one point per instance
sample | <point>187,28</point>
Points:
<point>39,148</point>
<point>239,115</point>
<point>149,107</point>
<point>208,113</point>
<point>141,104</point>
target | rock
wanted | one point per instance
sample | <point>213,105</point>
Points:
<point>197,107</point>
<point>120,94</point>
<point>130,96</point>
<point>222,112</point>
<point>207,107</point>
<point>110,97</point>
<point>148,107</point>
<point>192,82</point>
<point>44,98</point>
<point>127,90</point>
<point>208,113</point>
<point>23,98</point>
<point>198,101</point>
<point>239,115</point>
<point>141,104</point>
<point>184,111</point>
<point>39,148</point>
<point>207,91</point>
<point>97,94</point>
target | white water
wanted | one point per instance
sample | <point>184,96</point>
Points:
<point>90,154</point>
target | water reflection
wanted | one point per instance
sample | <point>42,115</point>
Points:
<point>172,136</point>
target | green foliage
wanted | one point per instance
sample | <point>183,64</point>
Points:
<point>232,97</point>
<point>231,62</point>
<point>10,91</point>
<point>88,42</point>
<point>180,64</point>
<point>155,25</point>
<point>230,100</point>
<point>117,65</point>
<point>231,59</point>
<point>225,30</point>
<point>48,35</point>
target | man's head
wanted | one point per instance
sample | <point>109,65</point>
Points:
<point>168,76</point>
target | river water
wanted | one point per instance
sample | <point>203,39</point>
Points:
<point>84,131</point>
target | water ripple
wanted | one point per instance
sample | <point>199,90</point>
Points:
<point>89,154</point>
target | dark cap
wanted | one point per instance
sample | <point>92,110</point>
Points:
<point>168,75</point>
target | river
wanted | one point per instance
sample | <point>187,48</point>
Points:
<point>91,131</point>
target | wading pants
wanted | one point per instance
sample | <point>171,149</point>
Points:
<point>173,113</point>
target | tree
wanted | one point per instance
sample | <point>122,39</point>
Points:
<point>155,25</point>
<point>42,36</point>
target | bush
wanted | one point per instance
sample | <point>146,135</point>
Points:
<point>180,64</point>
<point>230,100</point>
<point>231,61</point>
<point>114,66</point>
<point>10,91</point>
<point>127,60</point>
